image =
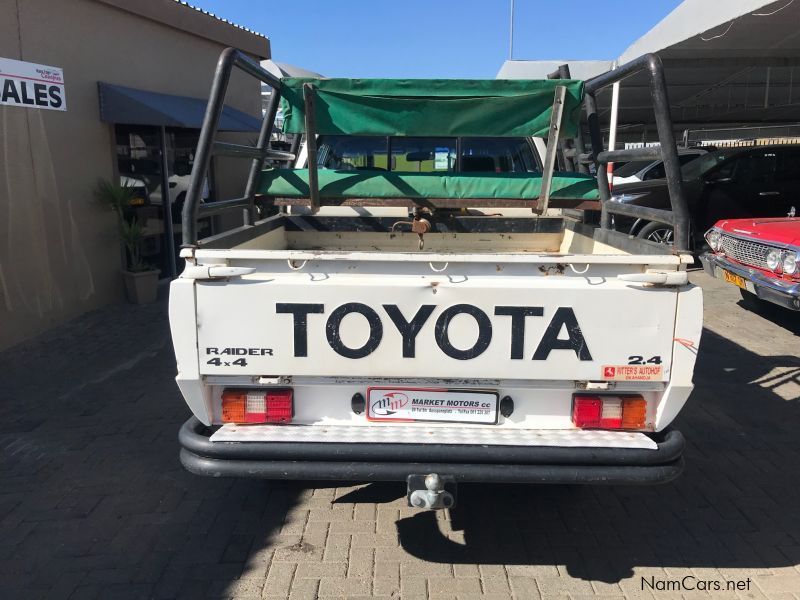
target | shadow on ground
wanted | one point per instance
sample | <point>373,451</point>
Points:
<point>782,317</point>
<point>735,506</point>
<point>93,500</point>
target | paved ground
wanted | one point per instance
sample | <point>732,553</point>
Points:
<point>93,502</point>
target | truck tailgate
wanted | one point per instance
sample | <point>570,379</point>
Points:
<point>520,323</point>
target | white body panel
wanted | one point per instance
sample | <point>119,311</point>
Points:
<point>618,320</point>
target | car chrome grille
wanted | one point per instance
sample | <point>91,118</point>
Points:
<point>744,251</point>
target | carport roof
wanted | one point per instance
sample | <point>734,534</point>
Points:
<point>727,63</point>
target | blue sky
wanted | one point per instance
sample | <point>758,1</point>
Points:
<point>438,38</point>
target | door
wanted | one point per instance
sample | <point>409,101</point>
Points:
<point>756,188</point>
<point>741,187</point>
<point>787,179</point>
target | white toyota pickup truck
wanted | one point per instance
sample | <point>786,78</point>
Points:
<point>464,339</point>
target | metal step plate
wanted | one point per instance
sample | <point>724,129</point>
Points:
<point>402,434</point>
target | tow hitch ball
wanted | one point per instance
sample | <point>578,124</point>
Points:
<point>431,491</point>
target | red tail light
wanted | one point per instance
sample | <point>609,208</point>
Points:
<point>609,412</point>
<point>257,406</point>
<point>586,411</point>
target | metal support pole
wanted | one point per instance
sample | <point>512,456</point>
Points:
<point>669,152</point>
<point>166,203</point>
<point>596,136</point>
<point>580,148</point>
<point>552,148</point>
<point>563,145</point>
<point>612,129</point>
<point>263,143</point>
<point>511,34</point>
<point>205,143</point>
<point>295,148</point>
<point>311,146</point>
<point>580,145</point>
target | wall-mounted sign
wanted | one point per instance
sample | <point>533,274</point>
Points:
<point>31,86</point>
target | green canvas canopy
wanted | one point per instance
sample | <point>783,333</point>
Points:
<point>333,184</point>
<point>431,107</point>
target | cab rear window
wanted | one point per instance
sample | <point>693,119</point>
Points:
<point>426,154</point>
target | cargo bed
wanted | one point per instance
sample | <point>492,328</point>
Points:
<point>450,234</point>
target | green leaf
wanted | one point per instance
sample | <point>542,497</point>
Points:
<point>114,196</point>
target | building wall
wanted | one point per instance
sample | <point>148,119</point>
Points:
<point>59,256</point>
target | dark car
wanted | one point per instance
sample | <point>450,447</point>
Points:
<point>730,183</point>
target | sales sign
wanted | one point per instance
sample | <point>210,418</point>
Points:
<point>31,86</point>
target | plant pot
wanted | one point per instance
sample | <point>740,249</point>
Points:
<point>141,287</point>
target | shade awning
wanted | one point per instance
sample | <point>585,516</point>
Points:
<point>130,106</point>
<point>430,107</point>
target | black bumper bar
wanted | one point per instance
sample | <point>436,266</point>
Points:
<point>394,462</point>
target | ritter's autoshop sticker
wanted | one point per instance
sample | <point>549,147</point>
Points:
<point>632,372</point>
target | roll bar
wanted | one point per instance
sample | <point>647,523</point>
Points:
<point>678,217</point>
<point>207,146</point>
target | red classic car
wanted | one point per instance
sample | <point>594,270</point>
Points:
<point>760,256</point>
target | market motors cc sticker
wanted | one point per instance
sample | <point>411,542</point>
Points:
<point>389,404</point>
<point>632,372</point>
<point>432,404</point>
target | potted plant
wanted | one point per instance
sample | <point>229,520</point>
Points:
<point>141,279</point>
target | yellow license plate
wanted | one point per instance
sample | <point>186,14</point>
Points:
<point>734,279</point>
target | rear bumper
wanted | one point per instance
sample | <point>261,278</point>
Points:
<point>766,288</point>
<point>464,462</point>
